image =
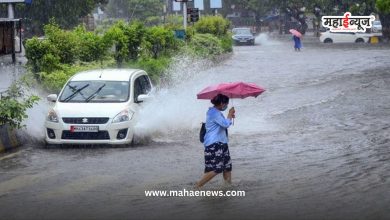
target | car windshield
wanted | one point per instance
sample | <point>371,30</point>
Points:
<point>377,23</point>
<point>243,31</point>
<point>95,91</point>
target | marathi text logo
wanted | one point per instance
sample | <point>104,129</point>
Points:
<point>347,23</point>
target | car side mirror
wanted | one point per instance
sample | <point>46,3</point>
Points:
<point>142,98</point>
<point>52,98</point>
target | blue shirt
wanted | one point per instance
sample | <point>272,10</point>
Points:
<point>216,125</point>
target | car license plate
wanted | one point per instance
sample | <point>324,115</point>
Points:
<point>242,41</point>
<point>75,128</point>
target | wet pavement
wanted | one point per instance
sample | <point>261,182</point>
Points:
<point>315,145</point>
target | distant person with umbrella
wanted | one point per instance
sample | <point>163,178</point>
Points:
<point>216,150</point>
<point>217,156</point>
<point>297,39</point>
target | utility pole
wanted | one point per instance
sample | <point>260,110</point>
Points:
<point>11,15</point>
<point>184,11</point>
<point>185,15</point>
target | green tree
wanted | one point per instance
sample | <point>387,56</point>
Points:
<point>116,36</point>
<point>159,40</point>
<point>66,13</point>
<point>215,25</point>
<point>384,14</point>
<point>92,47</point>
<point>135,9</point>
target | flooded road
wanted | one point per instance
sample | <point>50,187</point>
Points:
<point>315,145</point>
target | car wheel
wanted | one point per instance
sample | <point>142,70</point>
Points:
<point>359,40</point>
<point>328,41</point>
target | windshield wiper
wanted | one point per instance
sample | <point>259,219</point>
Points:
<point>70,97</point>
<point>95,93</point>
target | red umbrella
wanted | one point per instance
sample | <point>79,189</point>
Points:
<point>231,90</point>
<point>295,32</point>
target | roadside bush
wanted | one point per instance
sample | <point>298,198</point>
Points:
<point>41,55</point>
<point>135,33</point>
<point>206,45</point>
<point>53,81</point>
<point>126,39</point>
<point>215,25</point>
<point>154,67</point>
<point>226,43</point>
<point>66,43</point>
<point>159,40</point>
<point>175,21</point>
<point>116,36</point>
<point>13,106</point>
<point>92,47</point>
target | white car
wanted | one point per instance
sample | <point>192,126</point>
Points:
<point>344,37</point>
<point>97,107</point>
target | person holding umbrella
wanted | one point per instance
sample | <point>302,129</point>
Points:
<point>217,156</point>
<point>297,39</point>
<point>215,141</point>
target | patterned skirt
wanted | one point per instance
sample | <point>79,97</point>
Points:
<point>217,158</point>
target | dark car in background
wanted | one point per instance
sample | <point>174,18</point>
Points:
<point>243,36</point>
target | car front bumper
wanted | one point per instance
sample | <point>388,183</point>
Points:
<point>107,134</point>
<point>247,41</point>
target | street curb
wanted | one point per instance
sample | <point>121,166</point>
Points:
<point>8,138</point>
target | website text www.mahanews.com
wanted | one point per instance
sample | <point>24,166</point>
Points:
<point>194,193</point>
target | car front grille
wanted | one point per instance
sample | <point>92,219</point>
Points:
<point>101,135</point>
<point>85,121</point>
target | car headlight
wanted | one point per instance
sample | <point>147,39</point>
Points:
<point>235,38</point>
<point>125,115</point>
<point>52,116</point>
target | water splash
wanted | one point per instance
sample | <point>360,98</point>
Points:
<point>174,108</point>
<point>264,40</point>
<point>176,113</point>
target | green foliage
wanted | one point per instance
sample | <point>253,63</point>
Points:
<point>154,67</point>
<point>13,106</point>
<point>62,53</point>
<point>206,45</point>
<point>159,40</point>
<point>227,43</point>
<point>127,40</point>
<point>215,25</point>
<point>92,47</point>
<point>53,81</point>
<point>41,55</point>
<point>135,33</point>
<point>134,9</point>
<point>190,32</point>
<point>116,36</point>
<point>383,6</point>
<point>66,42</point>
<point>65,12</point>
<point>174,22</point>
